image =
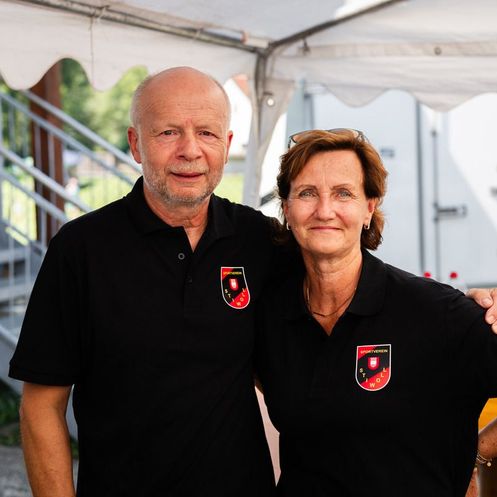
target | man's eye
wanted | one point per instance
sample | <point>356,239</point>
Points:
<point>168,132</point>
<point>207,133</point>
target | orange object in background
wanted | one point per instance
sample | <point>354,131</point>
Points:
<point>488,476</point>
<point>488,414</point>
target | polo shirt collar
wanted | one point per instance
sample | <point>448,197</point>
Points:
<point>370,293</point>
<point>368,299</point>
<point>146,221</point>
<point>219,222</point>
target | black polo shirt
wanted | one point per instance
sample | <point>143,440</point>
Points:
<point>388,404</point>
<point>158,343</point>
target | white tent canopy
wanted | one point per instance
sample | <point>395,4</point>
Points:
<point>442,51</point>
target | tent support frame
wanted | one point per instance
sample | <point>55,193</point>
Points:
<point>258,141</point>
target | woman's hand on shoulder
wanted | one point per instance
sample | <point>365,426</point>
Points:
<point>486,298</point>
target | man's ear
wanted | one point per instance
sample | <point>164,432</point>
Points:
<point>229,137</point>
<point>133,144</point>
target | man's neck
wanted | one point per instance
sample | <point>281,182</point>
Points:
<point>193,218</point>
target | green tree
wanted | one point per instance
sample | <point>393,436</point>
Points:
<point>14,127</point>
<point>107,112</point>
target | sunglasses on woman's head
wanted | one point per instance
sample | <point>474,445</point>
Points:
<point>296,137</point>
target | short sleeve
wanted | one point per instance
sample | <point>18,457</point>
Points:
<point>49,347</point>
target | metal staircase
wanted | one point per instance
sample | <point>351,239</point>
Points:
<point>33,206</point>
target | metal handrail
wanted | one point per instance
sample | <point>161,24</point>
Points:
<point>38,199</point>
<point>29,219</point>
<point>64,137</point>
<point>7,336</point>
<point>34,243</point>
<point>83,130</point>
<point>44,179</point>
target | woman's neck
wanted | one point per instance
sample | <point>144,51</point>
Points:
<point>330,285</point>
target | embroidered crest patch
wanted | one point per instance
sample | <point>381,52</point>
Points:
<point>234,287</point>
<point>373,366</point>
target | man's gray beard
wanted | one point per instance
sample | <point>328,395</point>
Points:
<point>173,200</point>
<point>157,188</point>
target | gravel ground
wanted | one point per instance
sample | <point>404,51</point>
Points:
<point>13,480</point>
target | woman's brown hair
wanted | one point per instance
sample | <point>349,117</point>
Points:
<point>310,143</point>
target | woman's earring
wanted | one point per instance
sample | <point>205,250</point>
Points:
<point>288,226</point>
<point>366,226</point>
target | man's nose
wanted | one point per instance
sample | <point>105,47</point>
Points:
<point>188,147</point>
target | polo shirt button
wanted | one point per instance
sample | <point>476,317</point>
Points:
<point>190,280</point>
<point>181,256</point>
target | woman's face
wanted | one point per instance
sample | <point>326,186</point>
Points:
<point>327,206</point>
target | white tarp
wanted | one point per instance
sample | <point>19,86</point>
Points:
<point>33,38</point>
<point>442,51</point>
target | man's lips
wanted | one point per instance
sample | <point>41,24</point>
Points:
<point>189,175</point>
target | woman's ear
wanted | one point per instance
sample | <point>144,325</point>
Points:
<point>372,203</point>
<point>284,208</point>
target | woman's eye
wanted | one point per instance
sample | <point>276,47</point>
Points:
<point>307,194</point>
<point>343,194</point>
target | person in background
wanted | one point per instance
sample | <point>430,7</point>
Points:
<point>375,378</point>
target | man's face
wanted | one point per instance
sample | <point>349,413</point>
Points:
<point>181,139</point>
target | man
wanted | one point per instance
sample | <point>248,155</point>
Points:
<point>146,306</point>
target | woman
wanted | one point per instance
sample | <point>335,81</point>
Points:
<point>374,378</point>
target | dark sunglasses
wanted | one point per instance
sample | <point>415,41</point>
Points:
<point>296,137</point>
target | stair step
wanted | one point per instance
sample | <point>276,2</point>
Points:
<point>15,287</point>
<point>12,324</point>
<point>13,254</point>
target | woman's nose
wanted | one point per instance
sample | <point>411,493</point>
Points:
<point>325,207</point>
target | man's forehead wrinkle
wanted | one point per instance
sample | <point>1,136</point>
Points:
<point>180,113</point>
<point>184,90</point>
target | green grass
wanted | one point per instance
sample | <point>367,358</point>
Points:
<point>231,187</point>
<point>99,191</point>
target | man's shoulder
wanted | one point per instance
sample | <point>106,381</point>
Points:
<point>101,218</point>
<point>100,222</point>
<point>247,220</point>
<point>238,211</point>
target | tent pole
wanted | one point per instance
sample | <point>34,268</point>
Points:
<point>328,24</point>
<point>421,196</point>
<point>252,167</point>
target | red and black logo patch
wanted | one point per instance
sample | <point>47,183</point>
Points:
<point>234,287</point>
<point>373,366</point>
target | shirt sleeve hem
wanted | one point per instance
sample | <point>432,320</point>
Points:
<point>21,374</point>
